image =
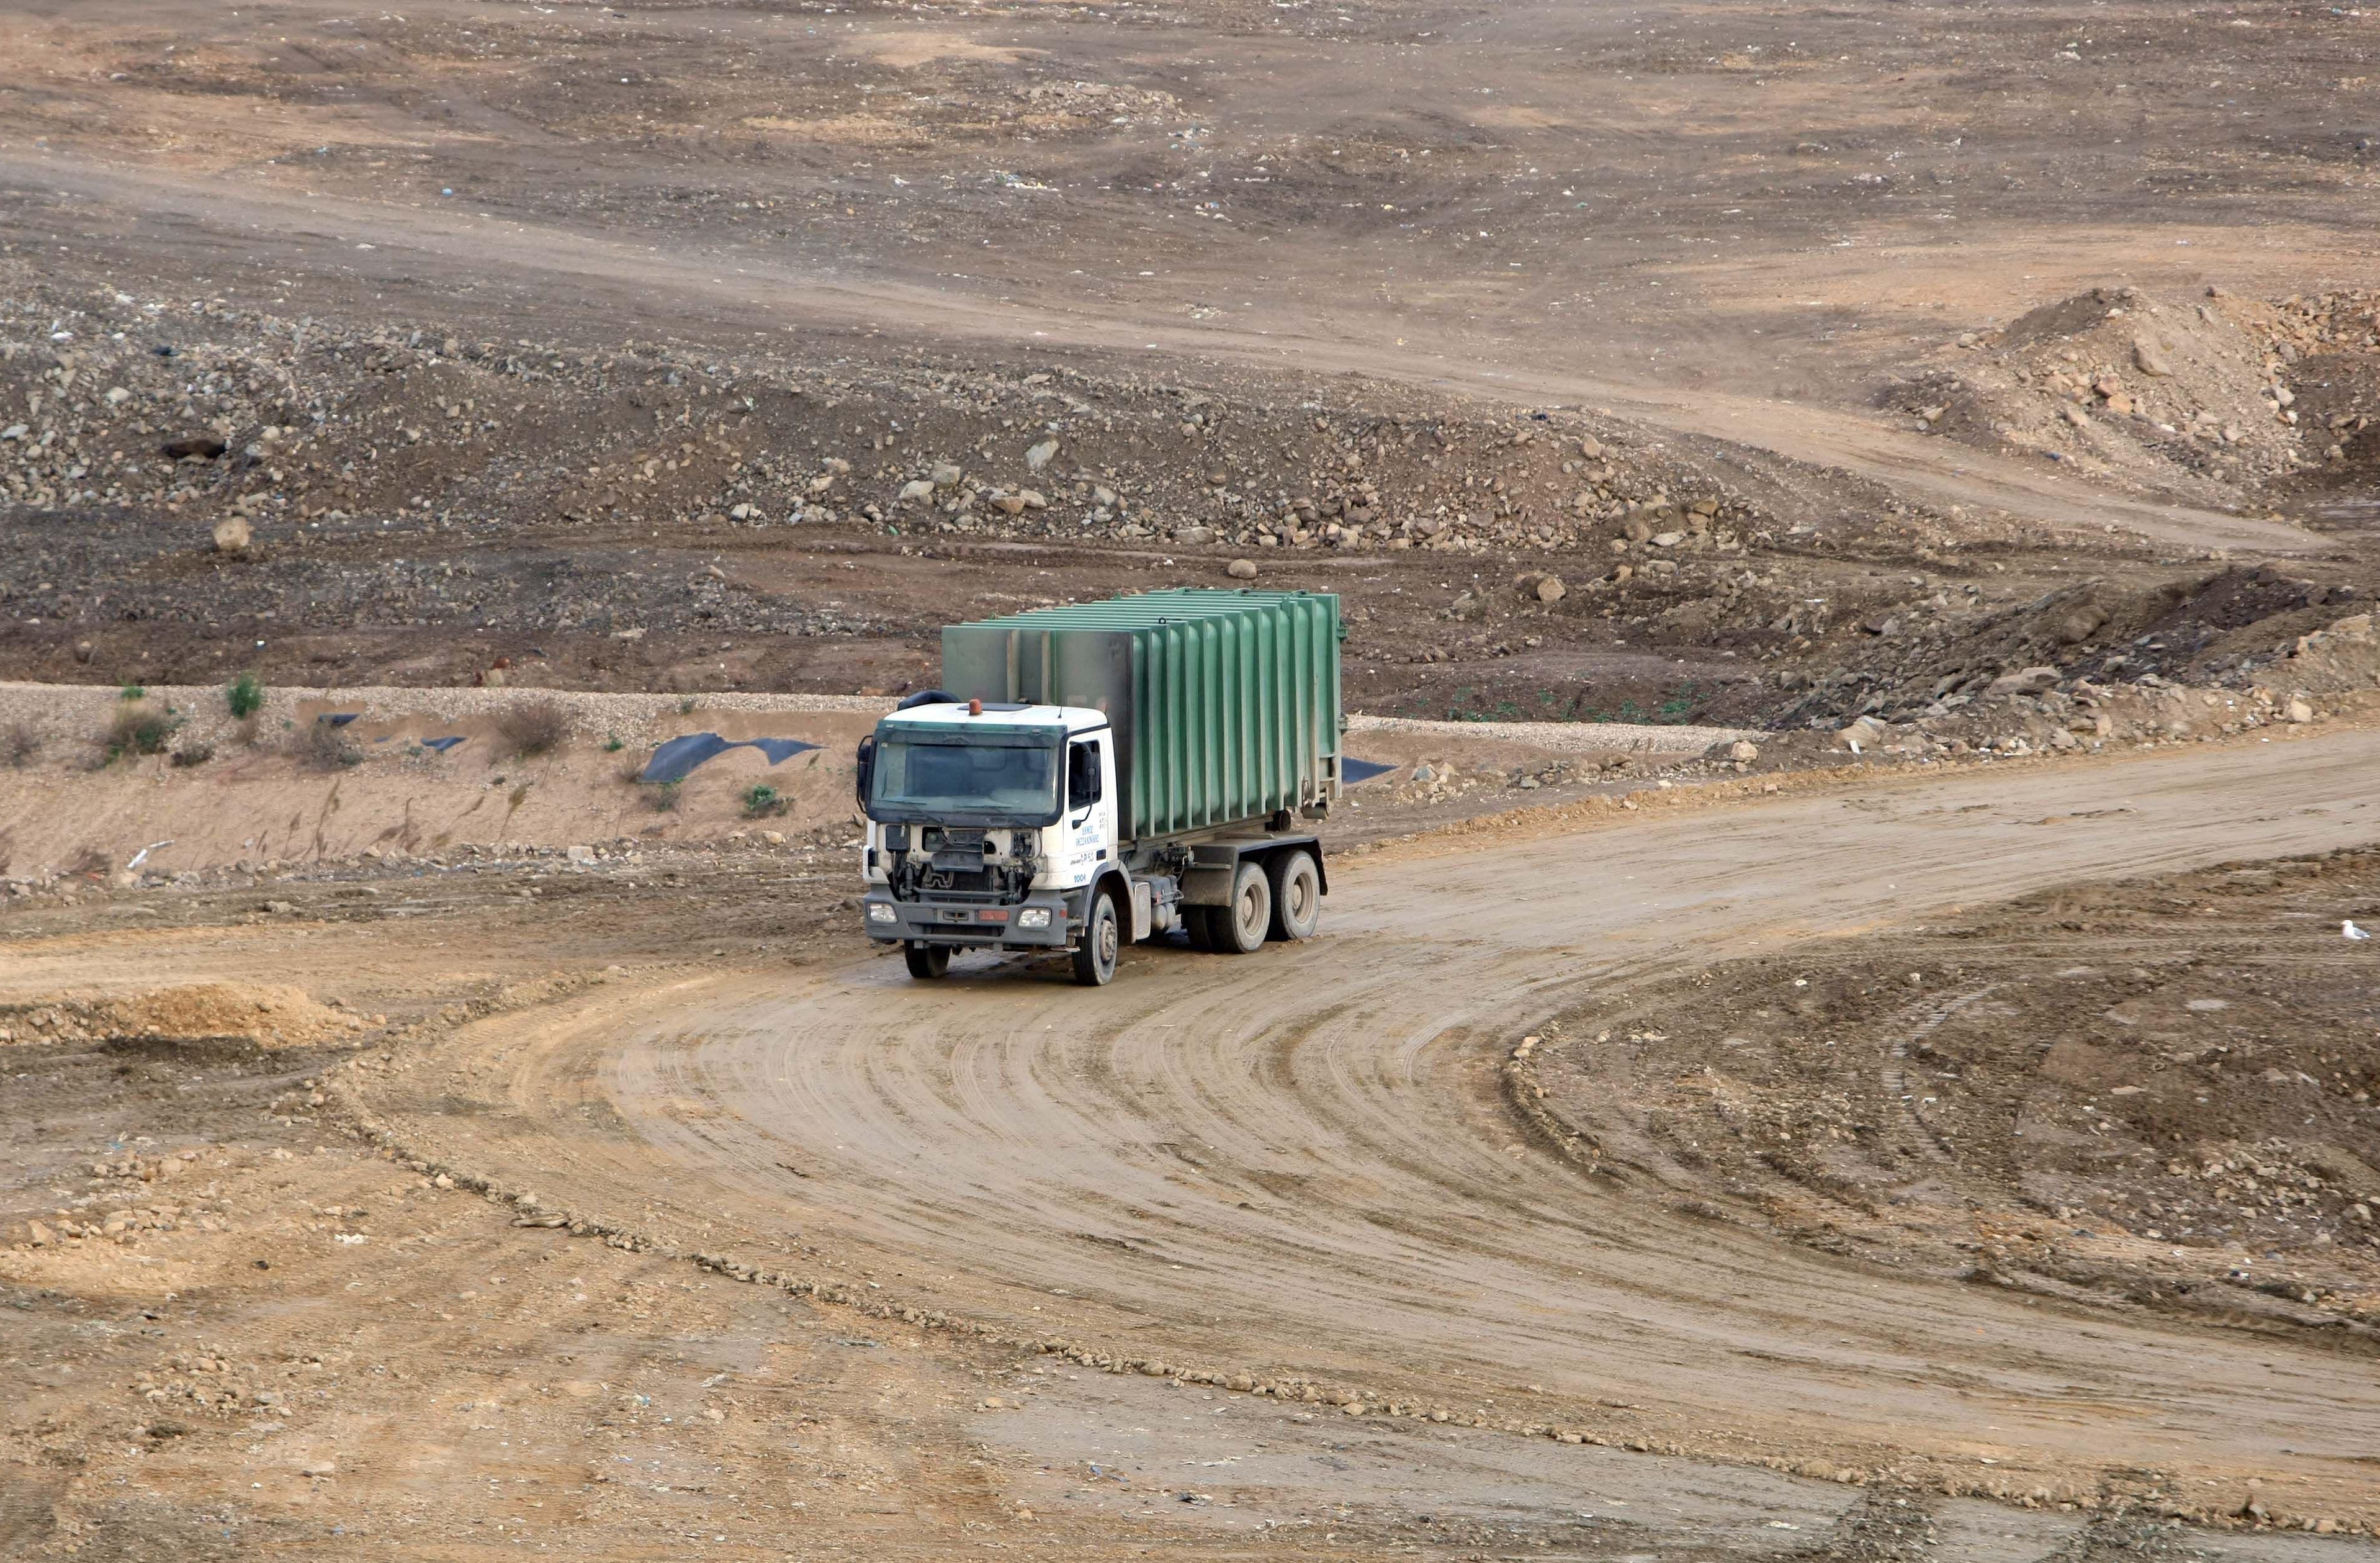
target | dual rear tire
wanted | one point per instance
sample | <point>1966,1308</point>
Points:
<point>1277,899</point>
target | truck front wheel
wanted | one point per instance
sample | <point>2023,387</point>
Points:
<point>1240,928</point>
<point>927,961</point>
<point>1296,895</point>
<point>1095,958</point>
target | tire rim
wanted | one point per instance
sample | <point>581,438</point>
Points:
<point>1107,940</point>
<point>1251,911</point>
<point>1301,898</point>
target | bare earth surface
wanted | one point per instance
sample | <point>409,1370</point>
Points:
<point>1305,1169</point>
<point>1895,486</point>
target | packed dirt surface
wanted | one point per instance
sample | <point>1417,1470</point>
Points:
<point>681,1222</point>
<point>2154,1092</point>
<point>1817,494</point>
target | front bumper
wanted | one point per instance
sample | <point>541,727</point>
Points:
<point>963,925</point>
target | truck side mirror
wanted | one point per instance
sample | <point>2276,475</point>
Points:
<point>867,768</point>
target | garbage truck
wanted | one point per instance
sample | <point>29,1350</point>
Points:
<point>1104,773</point>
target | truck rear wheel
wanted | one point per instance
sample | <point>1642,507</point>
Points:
<point>1240,927</point>
<point>927,961</point>
<point>1200,926</point>
<point>1296,895</point>
<point>1095,958</point>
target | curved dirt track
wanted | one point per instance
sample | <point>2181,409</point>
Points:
<point>1300,1163</point>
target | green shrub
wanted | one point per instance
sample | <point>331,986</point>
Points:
<point>138,728</point>
<point>661,797</point>
<point>760,799</point>
<point>245,696</point>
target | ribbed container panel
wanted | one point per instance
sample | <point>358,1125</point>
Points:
<point>1225,704</point>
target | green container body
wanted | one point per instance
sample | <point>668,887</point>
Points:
<point>1225,704</point>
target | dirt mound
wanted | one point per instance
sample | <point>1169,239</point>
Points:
<point>2156,1090</point>
<point>2191,397</point>
<point>259,1014</point>
<point>2233,629</point>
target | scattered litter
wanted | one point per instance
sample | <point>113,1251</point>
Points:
<point>677,758</point>
<point>339,718</point>
<point>142,856</point>
<point>440,745</point>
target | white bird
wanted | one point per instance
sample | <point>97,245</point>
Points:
<point>2351,931</point>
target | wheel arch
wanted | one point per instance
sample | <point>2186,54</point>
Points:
<point>1310,846</point>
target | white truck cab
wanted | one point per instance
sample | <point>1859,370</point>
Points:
<point>995,825</point>
<point>985,821</point>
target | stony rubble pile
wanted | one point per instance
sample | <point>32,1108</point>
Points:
<point>2231,628</point>
<point>301,430</point>
<point>2197,396</point>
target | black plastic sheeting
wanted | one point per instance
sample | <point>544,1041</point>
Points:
<point>677,758</point>
<point>1352,770</point>
<point>440,745</point>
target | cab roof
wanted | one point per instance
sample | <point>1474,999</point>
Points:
<point>1003,714</point>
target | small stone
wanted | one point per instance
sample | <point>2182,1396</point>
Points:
<point>916,490</point>
<point>232,535</point>
<point>1744,752</point>
<point>2298,709</point>
<point>1666,539</point>
<point>582,854</point>
<point>319,1467</point>
<point>2081,625</point>
<point>1861,735</point>
<point>2025,681</point>
<point>1038,457</point>
<point>1551,590</point>
<point>1241,570</point>
<point>82,651</point>
<point>2149,359</point>
<point>946,474</point>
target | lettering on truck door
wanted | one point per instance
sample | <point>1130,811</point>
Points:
<point>1088,837</point>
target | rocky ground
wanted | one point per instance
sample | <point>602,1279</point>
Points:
<point>1852,399</point>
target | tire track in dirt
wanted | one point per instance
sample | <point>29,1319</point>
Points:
<point>1301,1165</point>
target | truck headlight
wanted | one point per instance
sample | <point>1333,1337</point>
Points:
<point>1033,917</point>
<point>881,911</point>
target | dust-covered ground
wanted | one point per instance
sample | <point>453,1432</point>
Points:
<point>1945,398</point>
<point>2155,1093</point>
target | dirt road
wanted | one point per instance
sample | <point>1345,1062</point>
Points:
<point>1299,1166</point>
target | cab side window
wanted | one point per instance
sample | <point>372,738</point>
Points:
<point>1082,775</point>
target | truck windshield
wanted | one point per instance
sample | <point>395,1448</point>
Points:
<point>966,782</point>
